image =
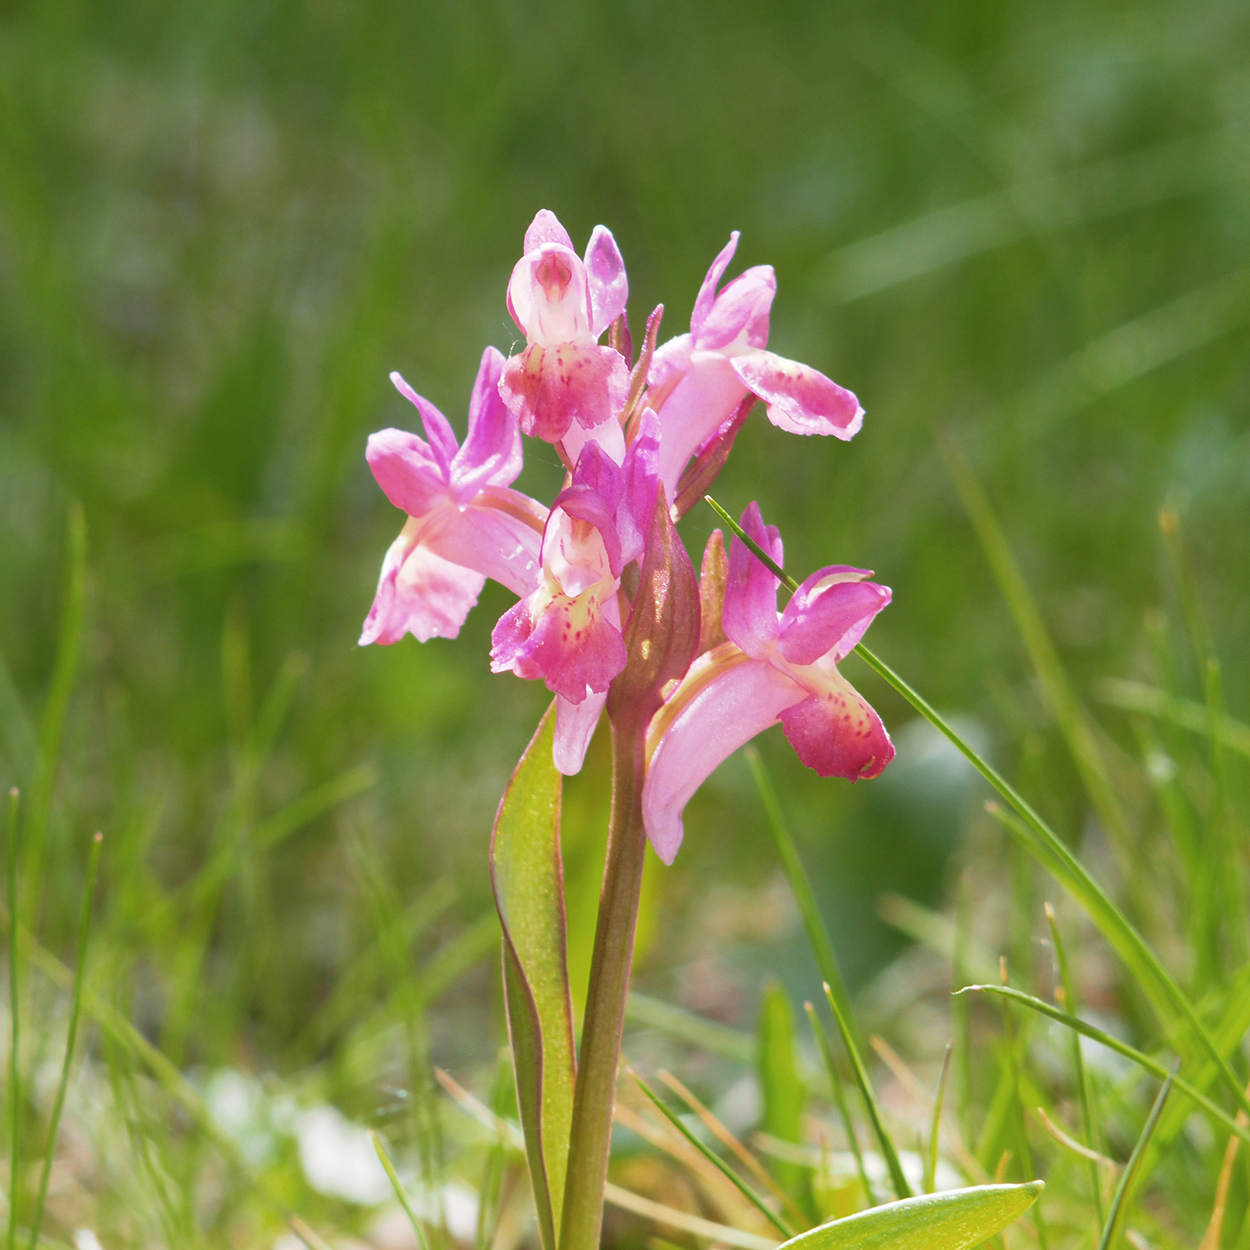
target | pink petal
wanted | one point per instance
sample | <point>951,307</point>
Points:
<point>707,292</point>
<point>605,273</point>
<point>829,613</point>
<point>800,399</point>
<point>740,314</point>
<point>407,470</point>
<point>575,726</point>
<point>437,428</point>
<point>694,410</point>
<point>729,711</point>
<point>836,733</point>
<point>546,228</point>
<point>498,543</point>
<point>669,361</point>
<point>491,454</point>
<point>633,518</point>
<point>549,298</point>
<point>608,434</point>
<point>421,594</point>
<point>575,645</point>
<point>749,618</point>
<point>547,389</point>
<point>584,503</point>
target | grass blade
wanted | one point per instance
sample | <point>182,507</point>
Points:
<point>839,1098</point>
<point>84,930</point>
<point>1136,696</point>
<point>1053,854</point>
<point>385,1160</point>
<point>931,1161</point>
<point>1022,1136</point>
<point>1153,1066</point>
<point>15,1078</point>
<point>742,1187</point>
<point>899,1181</point>
<point>1068,990</point>
<point>65,670</point>
<point>817,933</point>
<point>1073,721</point>
<point>729,1141</point>
<point>1129,1175</point>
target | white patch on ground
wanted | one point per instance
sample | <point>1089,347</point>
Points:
<point>338,1157</point>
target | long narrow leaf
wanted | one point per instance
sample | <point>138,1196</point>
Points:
<point>742,1187</point>
<point>839,1098</point>
<point>1129,1176</point>
<point>1053,854</point>
<point>529,892</point>
<point>817,933</point>
<point>71,1036</point>
<point>15,1014</point>
<point>955,1220</point>
<point>897,1179</point>
<point>1153,1066</point>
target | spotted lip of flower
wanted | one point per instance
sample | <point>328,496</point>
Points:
<point>769,667</point>
<point>465,523</point>
<point>563,304</point>
<point>697,380</point>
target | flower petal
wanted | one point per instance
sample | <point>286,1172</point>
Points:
<point>707,292</point>
<point>574,644</point>
<point>491,454</point>
<point>727,712</point>
<point>740,314</point>
<point>608,434</point>
<point>829,613</point>
<point>575,726</point>
<point>546,228</point>
<point>800,399</point>
<point>498,542</point>
<point>407,470</point>
<point>437,428</point>
<point>605,274</point>
<point>547,389</point>
<point>704,398</point>
<point>419,593</point>
<point>749,618</point>
<point>835,732</point>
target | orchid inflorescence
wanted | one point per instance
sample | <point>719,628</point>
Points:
<point>642,441</point>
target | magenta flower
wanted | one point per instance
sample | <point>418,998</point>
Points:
<point>699,380</point>
<point>464,523</point>
<point>564,384</point>
<point>567,631</point>
<point>769,667</point>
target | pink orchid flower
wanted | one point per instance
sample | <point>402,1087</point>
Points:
<point>698,380</point>
<point>564,384</point>
<point>769,667</point>
<point>568,630</point>
<point>464,523</point>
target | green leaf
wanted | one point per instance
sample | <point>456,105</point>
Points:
<point>784,1095</point>
<point>955,1220</point>
<point>529,892</point>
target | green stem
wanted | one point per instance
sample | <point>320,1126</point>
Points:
<point>595,1093</point>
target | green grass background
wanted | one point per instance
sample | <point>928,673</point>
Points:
<point>222,224</point>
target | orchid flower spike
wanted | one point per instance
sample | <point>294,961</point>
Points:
<point>564,385</point>
<point>761,667</point>
<point>465,523</point>
<point>698,381</point>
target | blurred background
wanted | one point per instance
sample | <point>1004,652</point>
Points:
<point>222,224</point>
